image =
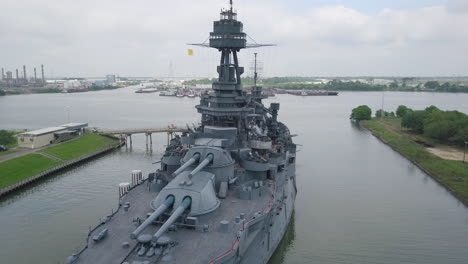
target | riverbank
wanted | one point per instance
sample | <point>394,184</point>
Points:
<point>451,174</point>
<point>22,170</point>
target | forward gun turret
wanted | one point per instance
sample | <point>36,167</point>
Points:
<point>179,211</point>
<point>203,164</point>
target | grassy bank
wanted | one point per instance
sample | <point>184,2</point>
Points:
<point>451,174</point>
<point>15,170</point>
<point>84,145</point>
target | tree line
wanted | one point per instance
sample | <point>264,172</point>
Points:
<point>7,138</point>
<point>445,126</point>
<point>305,83</point>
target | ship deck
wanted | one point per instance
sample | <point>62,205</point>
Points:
<point>190,245</point>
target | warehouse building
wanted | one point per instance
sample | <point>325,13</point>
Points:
<point>51,135</point>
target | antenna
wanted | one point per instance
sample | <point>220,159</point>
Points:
<point>255,68</point>
<point>230,2</point>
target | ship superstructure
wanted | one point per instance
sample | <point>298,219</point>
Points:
<point>225,190</point>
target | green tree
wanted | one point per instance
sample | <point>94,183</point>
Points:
<point>414,120</point>
<point>402,110</point>
<point>445,87</point>
<point>432,85</point>
<point>378,113</point>
<point>362,112</point>
<point>462,135</point>
<point>431,109</point>
<point>440,129</point>
<point>394,84</point>
<point>7,138</point>
<point>446,126</point>
<point>2,93</point>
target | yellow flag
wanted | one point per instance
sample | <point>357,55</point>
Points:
<point>190,52</point>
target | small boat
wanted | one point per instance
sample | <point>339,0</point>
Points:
<point>146,90</point>
<point>191,94</point>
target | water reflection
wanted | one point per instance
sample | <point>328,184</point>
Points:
<point>286,243</point>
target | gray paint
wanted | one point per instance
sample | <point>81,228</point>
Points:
<point>230,183</point>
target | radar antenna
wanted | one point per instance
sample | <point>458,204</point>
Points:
<point>255,69</point>
<point>230,15</point>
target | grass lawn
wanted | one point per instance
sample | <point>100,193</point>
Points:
<point>15,170</point>
<point>84,145</point>
<point>452,174</point>
<point>395,121</point>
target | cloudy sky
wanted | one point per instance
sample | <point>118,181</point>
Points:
<point>314,37</point>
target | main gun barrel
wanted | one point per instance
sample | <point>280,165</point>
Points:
<point>191,161</point>
<point>161,209</point>
<point>183,206</point>
<point>203,164</point>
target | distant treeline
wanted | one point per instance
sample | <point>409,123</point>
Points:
<point>47,90</point>
<point>2,93</point>
<point>304,83</point>
<point>99,88</point>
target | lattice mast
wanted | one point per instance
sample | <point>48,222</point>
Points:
<point>228,105</point>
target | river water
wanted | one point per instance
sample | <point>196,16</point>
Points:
<point>358,201</point>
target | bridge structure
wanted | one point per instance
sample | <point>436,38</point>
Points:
<point>126,134</point>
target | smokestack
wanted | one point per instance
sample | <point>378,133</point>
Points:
<point>17,76</point>
<point>24,73</point>
<point>35,75</point>
<point>3,73</point>
<point>42,71</point>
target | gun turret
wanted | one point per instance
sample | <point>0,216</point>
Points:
<point>203,164</point>
<point>191,161</point>
<point>161,209</point>
<point>183,206</point>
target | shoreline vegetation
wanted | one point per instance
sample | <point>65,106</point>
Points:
<point>21,168</point>
<point>367,84</point>
<point>423,139</point>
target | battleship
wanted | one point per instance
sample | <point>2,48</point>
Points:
<point>225,189</point>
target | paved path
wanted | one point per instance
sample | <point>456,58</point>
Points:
<point>25,151</point>
<point>49,156</point>
<point>18,153</point>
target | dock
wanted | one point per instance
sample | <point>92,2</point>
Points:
<point>125,135</point>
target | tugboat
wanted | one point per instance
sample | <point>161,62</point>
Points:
<point>225,190</point>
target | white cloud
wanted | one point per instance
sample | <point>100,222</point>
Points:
<point>141,38</point>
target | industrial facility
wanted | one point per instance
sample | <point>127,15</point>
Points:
<point>50,135</point>
<point>23,80</point>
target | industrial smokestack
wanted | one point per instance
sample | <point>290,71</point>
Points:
<point>3,73</point>
<point>17,76</point>
<point>42,71</point>
<point>35,75</point>
<point>24,73</point>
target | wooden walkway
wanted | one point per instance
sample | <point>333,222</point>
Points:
<point>127,134</point>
